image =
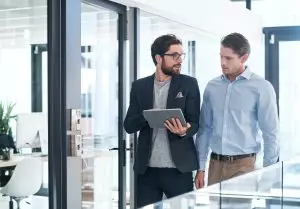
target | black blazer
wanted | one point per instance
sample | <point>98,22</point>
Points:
<point>183,149</point>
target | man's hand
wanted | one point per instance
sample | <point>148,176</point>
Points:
<point>199,179</point>
<point>174,125</point>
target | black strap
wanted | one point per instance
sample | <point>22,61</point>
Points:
<point>216,156</point>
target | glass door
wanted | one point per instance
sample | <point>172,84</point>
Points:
<point>102,67</point>
<point>102,71</point>
<point>289,99</point>
<point>282,70</point>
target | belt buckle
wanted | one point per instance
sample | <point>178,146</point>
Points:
<point>228,158</point>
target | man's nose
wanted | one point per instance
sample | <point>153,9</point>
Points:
<point>223,62</point>
<point>179,60</point>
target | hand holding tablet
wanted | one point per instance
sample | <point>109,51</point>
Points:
<point>171,119</point>
<point>175,126</point>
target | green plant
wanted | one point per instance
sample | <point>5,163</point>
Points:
<point>5,117</point>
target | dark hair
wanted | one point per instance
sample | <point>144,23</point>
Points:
<point>162,44</point>
<point>237,42</point>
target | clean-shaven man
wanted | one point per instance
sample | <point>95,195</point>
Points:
<point>235,106</point>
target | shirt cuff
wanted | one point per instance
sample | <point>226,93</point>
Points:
<point>270,162</point>
<point>202,165</point>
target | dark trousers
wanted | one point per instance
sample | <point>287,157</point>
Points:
<point>158,181</point>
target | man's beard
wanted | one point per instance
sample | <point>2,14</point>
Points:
<point>170,71</point>
<point>167,71</point>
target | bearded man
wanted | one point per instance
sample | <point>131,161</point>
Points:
<point>166,157</point>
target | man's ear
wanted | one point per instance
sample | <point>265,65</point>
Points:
<point>245,58</point>
<point>158,59</point>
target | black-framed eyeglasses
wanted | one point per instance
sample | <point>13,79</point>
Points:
<point>176,56</point>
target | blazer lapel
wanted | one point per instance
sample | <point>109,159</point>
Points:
<point>173,90</point>
<point>149,86</point>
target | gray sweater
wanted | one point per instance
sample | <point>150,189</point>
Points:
<point>161,155</point>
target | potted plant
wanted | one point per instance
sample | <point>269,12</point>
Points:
<point>5,117</point>
<point>6,138</point>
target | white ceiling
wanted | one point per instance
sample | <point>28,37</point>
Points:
<point>19,19</point>
<point>275,12</point>
<point>24,22</point>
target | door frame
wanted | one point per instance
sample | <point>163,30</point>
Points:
<point>121,10</point>
<point>37,76</point>
<point>60,44</point>
<point>134,66</point>
<point>273,35</point>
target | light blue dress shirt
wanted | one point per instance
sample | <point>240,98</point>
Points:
<point>232,114</point>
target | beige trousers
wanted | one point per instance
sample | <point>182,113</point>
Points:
<point>223,170</point>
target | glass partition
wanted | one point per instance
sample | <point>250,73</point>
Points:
<point>289,89</point>
<point>99,93</point>
<point>23,24</point>
<point>273,187</point>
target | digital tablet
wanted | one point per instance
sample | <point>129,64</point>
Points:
<point>157,117</point>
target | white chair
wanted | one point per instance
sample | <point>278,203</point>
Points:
<point>26,180</point>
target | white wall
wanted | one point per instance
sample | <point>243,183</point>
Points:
<point>276,12</point>
<point>207,21</point>
<point>217,17</point>
<point>15,85</point>
<point>204,22</point>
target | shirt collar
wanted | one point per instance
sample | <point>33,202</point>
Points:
<point>246,74</point>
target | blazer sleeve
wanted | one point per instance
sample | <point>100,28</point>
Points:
<point>134,120</point>
<point>192,108</point>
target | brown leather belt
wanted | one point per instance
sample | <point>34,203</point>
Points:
<point>216,156</point>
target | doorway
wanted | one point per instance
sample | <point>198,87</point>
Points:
<point>282,45</point>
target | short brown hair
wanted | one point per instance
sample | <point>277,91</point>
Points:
<point>237,42</point>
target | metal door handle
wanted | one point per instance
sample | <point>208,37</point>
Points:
<point>117,148</point>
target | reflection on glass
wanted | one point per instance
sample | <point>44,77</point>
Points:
<point>99,96</point>
<point>45,81</point>
<point>22,24</point>
<point>291,184</point>
<point>264,189</point>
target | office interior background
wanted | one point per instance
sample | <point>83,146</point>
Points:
<point>96,49</point>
